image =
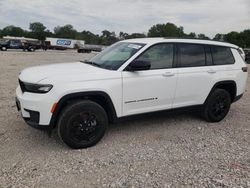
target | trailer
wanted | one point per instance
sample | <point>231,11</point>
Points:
<point>88,48</point>
<point>63,44</point>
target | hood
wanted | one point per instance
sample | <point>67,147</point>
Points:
<point>64,72</point>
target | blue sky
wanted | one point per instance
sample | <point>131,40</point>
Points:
<point>201,16</point>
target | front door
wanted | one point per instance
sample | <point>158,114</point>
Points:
<point>153,89</point>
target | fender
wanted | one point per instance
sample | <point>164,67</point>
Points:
<point>100,97</point>
<point>221,84</point>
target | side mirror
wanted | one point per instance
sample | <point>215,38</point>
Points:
<point>139,65</point>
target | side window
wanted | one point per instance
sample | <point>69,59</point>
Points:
<point>160,56</point>
<point>191,55</point>
<point>15,42</point>
<point>222,55</point>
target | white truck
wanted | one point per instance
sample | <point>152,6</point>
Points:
<point>128,78</point>
<point>61,43</point>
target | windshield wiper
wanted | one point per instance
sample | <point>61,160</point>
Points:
<point>91,63</point>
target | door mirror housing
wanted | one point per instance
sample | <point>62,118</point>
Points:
<point>139,65</point>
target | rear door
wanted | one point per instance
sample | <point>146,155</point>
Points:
<point>195,75</point>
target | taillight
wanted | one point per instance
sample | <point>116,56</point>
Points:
<point>244,69</point>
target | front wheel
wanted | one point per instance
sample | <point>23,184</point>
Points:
<point>82,124</point>
<point>3,48</point>
<point>217,105</point>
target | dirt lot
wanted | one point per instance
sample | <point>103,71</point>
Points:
<point>160,150</point>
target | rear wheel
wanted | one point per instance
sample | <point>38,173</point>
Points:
<point>217,105</point>
<point>82,124</point>
<point>31,49</point>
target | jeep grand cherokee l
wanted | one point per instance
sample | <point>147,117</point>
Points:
<point>131,77</point>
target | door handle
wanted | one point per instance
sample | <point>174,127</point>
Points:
<point>168,74</point>
<point>211,71</point>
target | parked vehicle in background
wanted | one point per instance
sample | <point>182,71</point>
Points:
<point>3,45</point>
<point>18,44</point>
<point>247,52</point>
<point>87,48</point>
<point>131,77</point>
<point>62,44</point>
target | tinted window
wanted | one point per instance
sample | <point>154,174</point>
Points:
<point>160,56</point>
<point>191,55</point>
<point>222,55</point>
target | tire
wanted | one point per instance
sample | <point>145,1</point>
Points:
<point>3,48</point>
<point>217,105</point>
<point>31,49</point>
<point>82,124</point>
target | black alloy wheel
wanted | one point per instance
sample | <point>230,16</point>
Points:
<point>217,105</point>
<point>82,124</point>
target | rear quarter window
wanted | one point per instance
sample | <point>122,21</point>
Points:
<point>222,55</point>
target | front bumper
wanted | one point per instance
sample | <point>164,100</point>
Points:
<point>35,108</point>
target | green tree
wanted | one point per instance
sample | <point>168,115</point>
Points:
<point>123,35</point>
<point>241,39</point>
<point>202,36</point>
<point>245,37</point>
<point>219,37</point>
<point>48,33</point>
<point>108,38</point>
<point>66,31</point>
<point>13,31</point>
<point>166,30</point>
<point>136,35</point>
<point>234,38</point>
<point>89,37</point>
<point>192,35</point>
<point>37,31</point>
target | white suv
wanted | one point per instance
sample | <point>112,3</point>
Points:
<point>131,77</point>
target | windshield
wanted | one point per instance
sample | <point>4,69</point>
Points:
<point>113,57</point>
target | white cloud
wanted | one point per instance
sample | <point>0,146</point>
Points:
<point>201,16</point>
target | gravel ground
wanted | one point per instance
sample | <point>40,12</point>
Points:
<point>159,150</point>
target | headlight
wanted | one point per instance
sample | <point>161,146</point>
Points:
<point>35,88</point>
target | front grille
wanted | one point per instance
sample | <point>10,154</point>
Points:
<point>22,86</point>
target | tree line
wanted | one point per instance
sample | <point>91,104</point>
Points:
<point>38,31</point>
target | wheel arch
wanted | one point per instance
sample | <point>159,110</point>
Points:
<point>229,85</point>
<point>100,97</point>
